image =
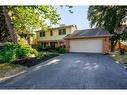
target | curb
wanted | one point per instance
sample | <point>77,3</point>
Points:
<point>5,78</point>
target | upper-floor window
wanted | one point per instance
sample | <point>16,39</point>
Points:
<point>42,34</point>
<point>62,32</point>
<point>51,33</point>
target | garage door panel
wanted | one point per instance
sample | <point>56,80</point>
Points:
<point>86,45</point>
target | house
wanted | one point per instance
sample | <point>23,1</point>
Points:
<point>88,40</point>
<point>54,36</point>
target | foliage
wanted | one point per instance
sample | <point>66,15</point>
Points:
<point>8,53</point>
<point>40,47</point>
<point>107,17</point>
<point>25,50</point>
<point>40,55</point>
<point>48,48</point>
<point>14,51</point>
<point>27,18</point>
<point>61,49</point>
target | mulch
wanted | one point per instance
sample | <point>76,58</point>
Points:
<point>31,61</point>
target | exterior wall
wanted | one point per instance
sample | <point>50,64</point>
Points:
<point>67,45</point>
<point>106,45</point>
<point>55,36</point>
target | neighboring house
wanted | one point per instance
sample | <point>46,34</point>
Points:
<point>54,36</point>
<point>89,40</point>
<point>120,45</point>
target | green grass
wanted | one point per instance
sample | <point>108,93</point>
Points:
<point>7,69</point>
<point>120,58</point>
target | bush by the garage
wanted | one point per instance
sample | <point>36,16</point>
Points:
<point>61,49</point>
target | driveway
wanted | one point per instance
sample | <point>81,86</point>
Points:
<point>72,71</point>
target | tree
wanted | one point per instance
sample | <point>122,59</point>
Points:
<point>4,36</point>
<point>109,18</point>
<point>11,28</point>
<point>21,19</point>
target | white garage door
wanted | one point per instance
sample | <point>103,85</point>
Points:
<point>86,45</point>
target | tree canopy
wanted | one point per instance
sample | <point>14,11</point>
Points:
<point>109,18</point>
<point>23,19</point>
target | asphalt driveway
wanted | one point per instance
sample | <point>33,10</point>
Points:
<point>72,71</point>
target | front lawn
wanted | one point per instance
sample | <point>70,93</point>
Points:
<point>7,69</point>
<point>119,58</point>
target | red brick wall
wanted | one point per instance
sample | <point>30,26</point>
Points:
<point>106,45</point>
<point>67,45</point>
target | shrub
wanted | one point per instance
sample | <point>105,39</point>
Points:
<point>14,51</point>
<point>24,50</point>
<point>8,53</point>
<point>48,48</point>
<point>61,49</point>
<point>40,47</point>
<point>40,55</point>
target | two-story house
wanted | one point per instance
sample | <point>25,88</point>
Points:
<point>54,36</point>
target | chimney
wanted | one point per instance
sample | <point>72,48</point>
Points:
<point>62,25</point>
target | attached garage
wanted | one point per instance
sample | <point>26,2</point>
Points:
<point>90,40</point>
<point>87,45</point>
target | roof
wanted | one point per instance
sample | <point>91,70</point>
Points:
<point>58,27</point>
<point>62,26</point>
<point>95,32</point>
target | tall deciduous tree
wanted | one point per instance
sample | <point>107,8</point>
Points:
<point>24,18</point>
<point>11,28</point>
<point>4,35</point>
<point>108,17</point>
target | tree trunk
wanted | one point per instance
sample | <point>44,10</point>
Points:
<point>28,40</point>
<point>119,45</point>
<point>113,44</point>
<point>11,28</point>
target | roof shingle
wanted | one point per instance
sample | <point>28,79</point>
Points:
<point>89,33</point>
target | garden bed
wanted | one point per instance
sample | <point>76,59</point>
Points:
<point>31,61</point>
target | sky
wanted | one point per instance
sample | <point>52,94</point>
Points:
<point>78,17</point>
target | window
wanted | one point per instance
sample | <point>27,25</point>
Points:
<point>62,32</point>
<point>51,33</point>
<point>42,34</point>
